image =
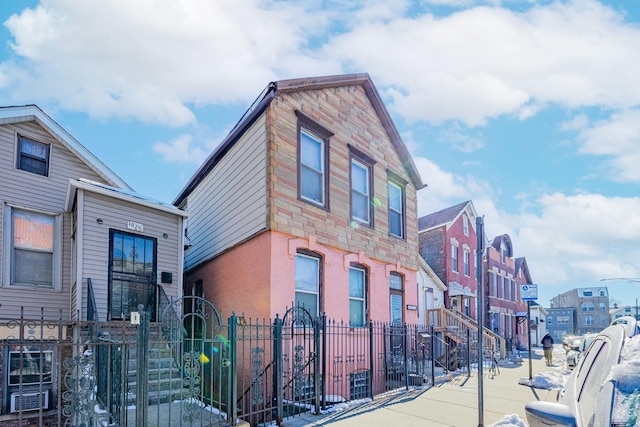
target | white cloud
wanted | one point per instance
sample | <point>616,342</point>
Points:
<point>180,150</point>
<point>155,60</point>
<point>617,138</point>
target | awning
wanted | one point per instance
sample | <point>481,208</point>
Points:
<point>456,289</point>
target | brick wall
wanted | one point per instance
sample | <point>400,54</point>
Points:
<point>347,112</point>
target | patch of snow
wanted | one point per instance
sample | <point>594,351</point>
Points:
<point>510,420</point>
<point>626,376</point>
<point>547,380</point>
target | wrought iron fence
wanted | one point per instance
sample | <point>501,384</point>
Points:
<point>189,368</point>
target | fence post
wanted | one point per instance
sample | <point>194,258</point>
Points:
<point>405,340</point>
<point>142,374</point>
<point>277,372</point>
<point>433,358</point>
<point>323,352</point>
<point>371,355</point>
<point>316,365</point>
<point>468,352</point>
<point>232,376</point>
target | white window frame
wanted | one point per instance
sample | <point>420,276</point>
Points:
<point>397,210</point>
<point>466,255</point>
<point>454,258</point>
<point>366,194</point>
<point>310,136</point>
<point>318,283</point>
<point>465,225</point>
<point>8,254</point>
<point>360,299</point>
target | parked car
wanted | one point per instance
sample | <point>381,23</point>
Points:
<point>578,347</point>
<point>591,394</point>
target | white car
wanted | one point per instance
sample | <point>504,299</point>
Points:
<point>591,396</point>
<point>579,346</point>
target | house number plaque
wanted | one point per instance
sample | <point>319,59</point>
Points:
<point>135,226</point>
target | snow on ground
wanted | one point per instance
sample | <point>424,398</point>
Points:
<point>509,421</point>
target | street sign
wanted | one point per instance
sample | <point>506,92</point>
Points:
<point>529,292</point>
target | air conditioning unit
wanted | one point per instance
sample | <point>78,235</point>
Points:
<point>29,401</point>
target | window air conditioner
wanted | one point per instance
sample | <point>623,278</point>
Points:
<point>29,401</point>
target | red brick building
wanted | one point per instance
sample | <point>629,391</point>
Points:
<point>448,243</point>
<point>505,312</point>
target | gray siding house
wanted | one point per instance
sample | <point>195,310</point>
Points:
<point>76,244</point>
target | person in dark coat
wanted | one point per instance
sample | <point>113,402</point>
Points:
<point>547,346</point>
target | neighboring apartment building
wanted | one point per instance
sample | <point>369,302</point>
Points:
<point>505,275</point>
<point>591,307</point>
<point>560,322</point>
<point>627,310</point>
<point>310,200</point>
<point>68,220</point>
<point>448,243</point>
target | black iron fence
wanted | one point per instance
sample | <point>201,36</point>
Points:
<point>191,369</point>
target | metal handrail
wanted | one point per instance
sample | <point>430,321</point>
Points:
<point>92,310</point>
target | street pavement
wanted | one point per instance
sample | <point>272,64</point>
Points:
<point>450,403</point>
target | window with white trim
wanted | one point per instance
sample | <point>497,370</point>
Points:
<point>360,191</point>
<point>357,296</point>
<point>313,162</point>
<point>396,208</point>
<point>33,156</point>
<point>466,262</point>
<point>32,248</point>
<point>454,258</point>
<point>308,283</point>
<point>465,225</point>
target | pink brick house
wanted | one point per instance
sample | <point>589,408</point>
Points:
<point>448,243</point>
<point>310,199</point>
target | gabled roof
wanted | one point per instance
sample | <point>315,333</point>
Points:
<point>427,268</point>
<point>29,113</point>
<point>300,85</point>
<point>521,264</point>
<point>443,217</point>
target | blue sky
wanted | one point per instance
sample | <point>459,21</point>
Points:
<point>529,108</point>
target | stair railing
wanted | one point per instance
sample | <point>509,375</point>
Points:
<point>449,322</point>
<point>92,311</point>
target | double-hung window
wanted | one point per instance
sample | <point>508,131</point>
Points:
<point>313,166</point>
<point>396,207</point>
<point>33,156</point>
<point>357,296</point>
<point>308,282</point>
<point>466,254</point>
<point>360,192</point>
<point>454,258</point>
<point>361,178</point>
<point>32,248</point>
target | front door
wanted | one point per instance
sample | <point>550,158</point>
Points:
<point>132,274</point>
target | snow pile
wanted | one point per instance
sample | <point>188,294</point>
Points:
<point>510,420</point>
<point>548,380</point>
<point>626,376</point>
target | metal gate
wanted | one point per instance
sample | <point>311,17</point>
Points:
<point>192,331</point>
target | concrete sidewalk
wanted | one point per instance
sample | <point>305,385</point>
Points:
<point>453,403</point>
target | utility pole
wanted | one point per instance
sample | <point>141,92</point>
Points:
<point>480,315</point>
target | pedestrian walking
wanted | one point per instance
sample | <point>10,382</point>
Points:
<point>547,346</point>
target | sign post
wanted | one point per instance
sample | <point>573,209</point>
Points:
<point>528,293</point>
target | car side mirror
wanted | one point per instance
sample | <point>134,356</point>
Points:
<point>549,414</point>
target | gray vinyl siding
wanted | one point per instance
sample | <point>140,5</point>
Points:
<point>33,191</point>
<point>228,207</point>
<point>115,214</point>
